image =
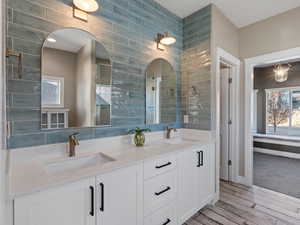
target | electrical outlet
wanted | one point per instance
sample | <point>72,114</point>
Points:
<point>186,118</point>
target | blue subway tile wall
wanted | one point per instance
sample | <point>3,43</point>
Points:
<point>196,69</point>
<point>127,28</point>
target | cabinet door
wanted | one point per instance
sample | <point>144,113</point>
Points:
<point>187,184</point>
<point>119,197</point>
<point>67,205</point>
<point>205,173</point>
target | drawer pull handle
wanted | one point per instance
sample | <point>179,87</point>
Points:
<point>168,221</point>
<point>163,191</point>
<point>200,158</point>
<point>164,165</point>
<point>92,212</point>
<point>102,197</point>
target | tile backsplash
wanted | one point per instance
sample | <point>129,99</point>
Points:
<point>127,29</point>
<point>196,69</point>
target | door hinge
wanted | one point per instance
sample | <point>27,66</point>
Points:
<point>8,128</point>
<point>230,122</point>
<point>230,80</point>
<point>229,163</point>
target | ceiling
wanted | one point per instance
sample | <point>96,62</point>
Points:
<point>240,12</point>
<point>70,40</point>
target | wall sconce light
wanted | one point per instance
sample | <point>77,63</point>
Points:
<point>164,39</point>
<point>281,72</point>
<point>82,7</point>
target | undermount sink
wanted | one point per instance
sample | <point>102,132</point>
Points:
<point>76,163</point>
<point>173,141</point>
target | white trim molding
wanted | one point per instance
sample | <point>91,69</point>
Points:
<point>250,63</point>
<point>277,153</point>
<point>223,56</point>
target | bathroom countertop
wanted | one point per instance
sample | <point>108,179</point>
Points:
<point>31,176</point>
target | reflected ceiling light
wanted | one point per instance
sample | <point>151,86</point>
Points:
<point>52,40</point>
<point>164,39</point>
<point>281,72</point>
<point>86,5</point>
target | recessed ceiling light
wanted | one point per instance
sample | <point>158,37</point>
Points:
<point>51,40</point>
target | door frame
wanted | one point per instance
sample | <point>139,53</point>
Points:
<point>224,56</point>
<point>5,210</point>
<point>250,63</point>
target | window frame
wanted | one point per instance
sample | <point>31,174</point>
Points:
<point>290,90</point>
<point>61,91</point>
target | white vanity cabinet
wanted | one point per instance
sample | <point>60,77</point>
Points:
<point>195,186</point>
<point>163,190</point>
<point>69,204</point>
<point>109,199</point>
<point>119,197</point>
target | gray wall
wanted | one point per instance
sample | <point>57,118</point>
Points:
<point>264,79</point>
<point>224,33</point>
<point>127,29</point>
<point>273,34</point>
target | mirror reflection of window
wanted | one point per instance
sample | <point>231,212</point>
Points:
<point>76,81</point>
<point>160,92</point>
<point>53,91</point>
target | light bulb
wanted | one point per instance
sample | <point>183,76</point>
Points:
<point>86,5</point>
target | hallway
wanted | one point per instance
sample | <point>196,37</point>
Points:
<point>241,205</point>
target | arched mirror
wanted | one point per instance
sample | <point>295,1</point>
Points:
<point>160,92</point>
<point>76,81</point>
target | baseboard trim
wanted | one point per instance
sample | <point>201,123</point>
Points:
<point>277,153</point>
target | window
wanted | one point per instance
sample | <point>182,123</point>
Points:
<point>296,108</point>
<point>52,91</point>
<point>283,111</point>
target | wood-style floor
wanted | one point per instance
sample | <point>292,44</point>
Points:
<point>249,206</point>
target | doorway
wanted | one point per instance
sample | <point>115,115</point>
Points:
<point>250,64</point>
<point>225,121</point>
<point>227,69</point>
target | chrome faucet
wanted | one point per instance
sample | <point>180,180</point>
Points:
<point>169,129</point>
<point>73,141</point>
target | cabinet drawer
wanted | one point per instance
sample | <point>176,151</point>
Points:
<point>158,166</point>
<point>163,216</point>
<point>159,191</point>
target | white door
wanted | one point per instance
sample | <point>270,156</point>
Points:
<point>72,204</point>
<point>118,197</point>
<point>225,114</point>
<point>188,181</point>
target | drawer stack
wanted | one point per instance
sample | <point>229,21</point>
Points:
<point>160,191</point>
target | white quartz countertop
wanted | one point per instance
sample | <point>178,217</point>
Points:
<point>29,176</point>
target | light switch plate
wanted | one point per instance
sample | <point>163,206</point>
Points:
<point>186,118</point>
